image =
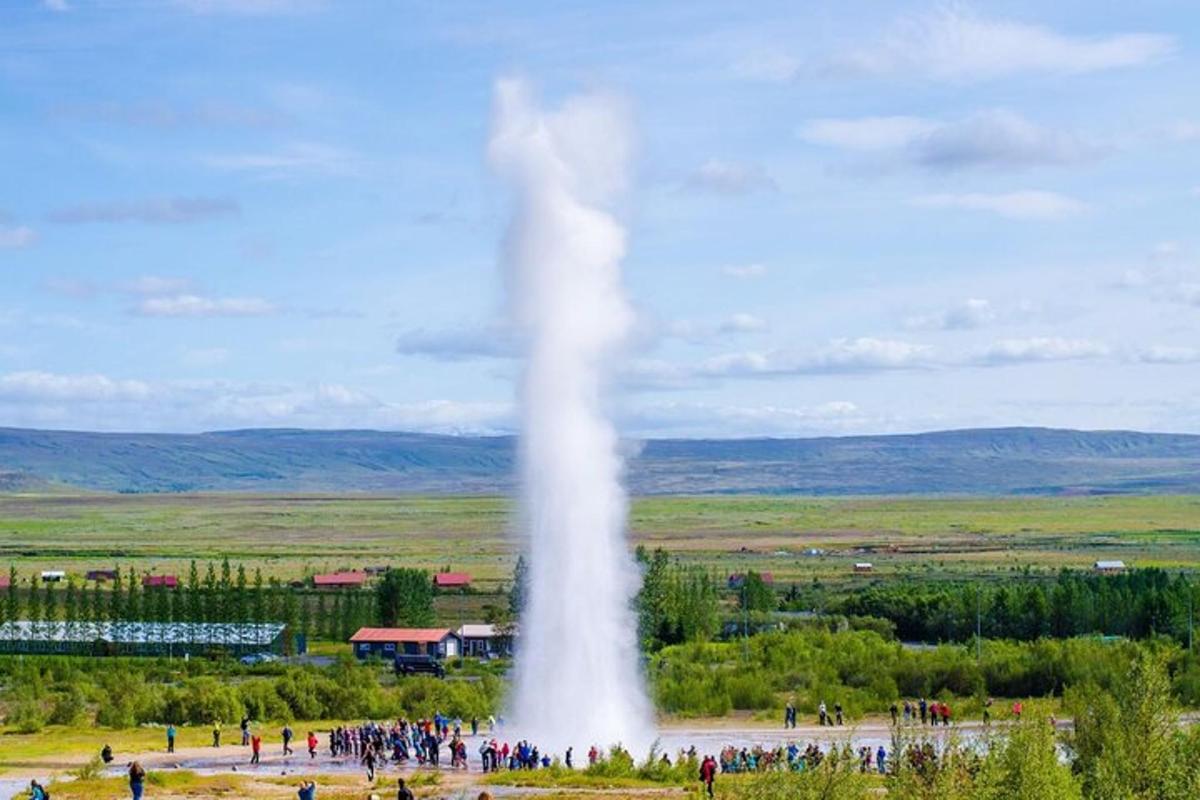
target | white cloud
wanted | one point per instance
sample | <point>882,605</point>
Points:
<point>671,418</point>
<point>293,159</point>
<point>153,211</point>
<point>458,344</point>
<point>35,385</point>
<point>191,305</point>
<point>151,285</point>
<point>744,323</point>
<point>995,138</point>
<point>14,237</point>
<point>864,354</point>
<point>100,402</point>
<point>744,271</point>
<point>956,45</point>
<point>1028,204</point>
<point>971,313</point>
<point>1184,131</point>
<point>1041,348</point>
<point>727,177</point>
<point>57,6</point>
<point>1164,354</point>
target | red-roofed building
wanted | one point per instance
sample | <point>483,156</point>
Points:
<point>387,642</point>
<point>160,582</point>
<point>5,582</point>
<point>340,580</point>
<point>451,580</point>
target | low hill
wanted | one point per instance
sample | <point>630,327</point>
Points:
<point>985,461</point>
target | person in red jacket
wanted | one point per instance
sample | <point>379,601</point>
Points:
<point>312,745</point>
<point>708,773</point>
<point>255,748</point>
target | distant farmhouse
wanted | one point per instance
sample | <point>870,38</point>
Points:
<point>388,642</point>
<point>160,582</point>
<point>485,641</point>
<point>1109,567</point>
<point>451,580</point>
<point>864,566</point>
<point>340,580</point>
<point>101,575</point>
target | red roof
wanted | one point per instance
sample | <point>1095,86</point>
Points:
<point>449,579</point>
<point>4,581</point>
<point>421,635</point>
<point>340,579</point>
<point>168,581</point>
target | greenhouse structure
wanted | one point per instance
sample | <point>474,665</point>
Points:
<point>141,638</point>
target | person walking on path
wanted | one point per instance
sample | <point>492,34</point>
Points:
<point>895,715</point>
<point>923,709</point>
<point>216,734</point>
<point>308,791</point>
<point>368,761</point>
<point>287,739</point>
<point>708,773</point>
<point>245,727</point>
<point>880,756</point>
<point>403,792</point>
<point>255,748</point>
<point>837,709</point>
<point>822,714</point>
<point>36,792</point>
<point>312,744</point>
<point>137,780</point>
<point>170,738</point>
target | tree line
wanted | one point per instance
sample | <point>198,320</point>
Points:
<point>223,593</point>
<point>1138,604</point>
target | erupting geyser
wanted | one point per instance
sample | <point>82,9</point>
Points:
<point>578,679</point>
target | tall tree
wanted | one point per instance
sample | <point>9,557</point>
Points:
<point>241,612</point>
<point>518,595</point>
<point>133,601</point>
<point>35,598</point>
<point>71,603</point>
<point>12,604</point>
<point>195,600</point>
<point>211,612</point>
<point>50,603</point>
<point>405,597</point>
<point>258,603</point>
<point>116,598</point>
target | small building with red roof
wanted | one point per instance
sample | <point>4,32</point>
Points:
<point>340,580</point>
<point>451,580</point>
<point>160,582</point>
<point>388,642</point>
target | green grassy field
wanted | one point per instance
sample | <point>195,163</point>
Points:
<point>292,535</point>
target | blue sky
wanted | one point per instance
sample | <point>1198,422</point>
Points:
<point>848,217</point>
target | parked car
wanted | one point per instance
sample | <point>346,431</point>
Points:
<point>250,659</point>
<point>414,664</point>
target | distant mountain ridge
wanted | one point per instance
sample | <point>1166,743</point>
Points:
<point>977,461</point>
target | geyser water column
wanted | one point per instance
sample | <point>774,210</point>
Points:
<point>578,680</point>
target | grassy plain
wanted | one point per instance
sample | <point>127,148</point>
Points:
<point>289,536</point>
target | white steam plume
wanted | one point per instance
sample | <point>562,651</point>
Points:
<point>578,680</point>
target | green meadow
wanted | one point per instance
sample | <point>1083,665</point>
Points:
<point>289,536</point>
